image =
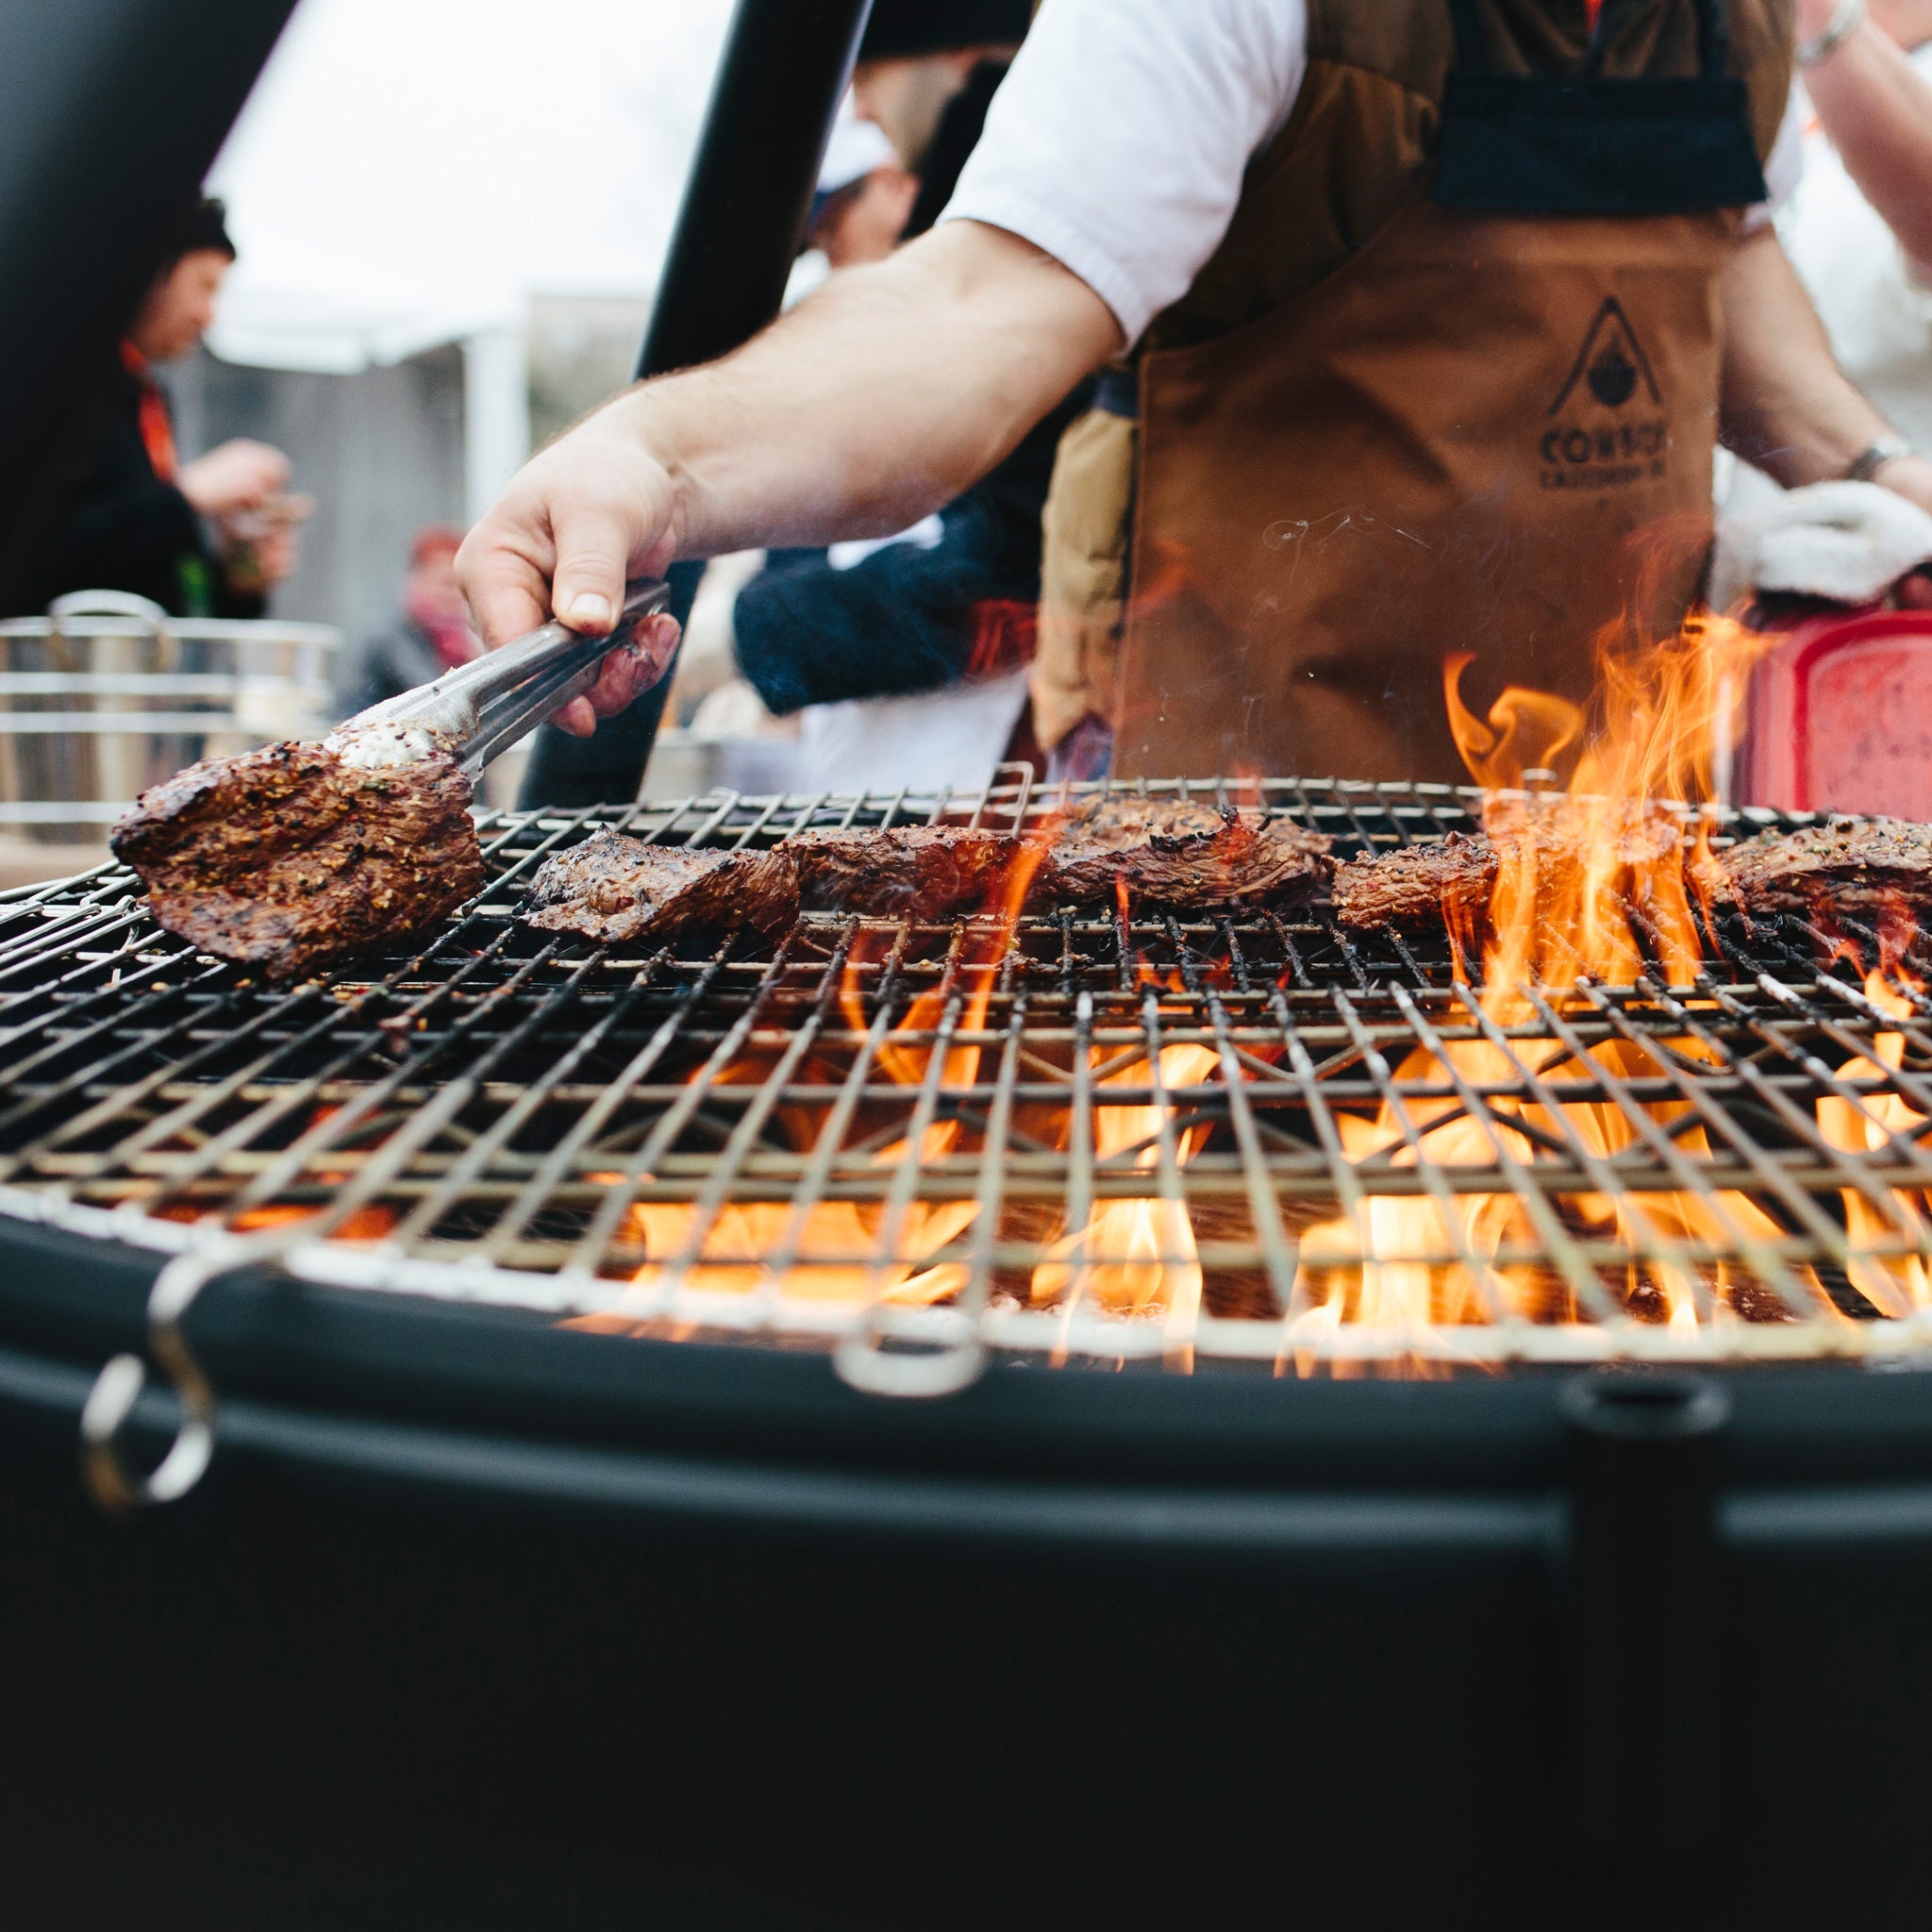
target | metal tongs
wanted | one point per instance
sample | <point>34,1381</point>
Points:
<point>484,706</point>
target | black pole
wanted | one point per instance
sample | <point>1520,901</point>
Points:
<point>787,65</point>
<point>111,112</point>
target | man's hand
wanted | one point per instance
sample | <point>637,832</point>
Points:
<point>237,476</point>
<point>591,511</point>
<point>871,404</point>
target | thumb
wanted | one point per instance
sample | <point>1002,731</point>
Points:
<point>592,550</point>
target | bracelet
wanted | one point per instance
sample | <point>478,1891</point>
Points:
<point>1867,463</point>
<point>1849,18</point>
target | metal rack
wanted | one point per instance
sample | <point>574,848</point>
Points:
<point>888,1136</point>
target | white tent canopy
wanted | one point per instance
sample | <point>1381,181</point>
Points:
<point>408,173</point>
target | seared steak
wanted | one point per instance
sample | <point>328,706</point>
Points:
<point>289,857</point>
<point>1182,854</point>
<point>1452,880</point>
<point>617,890</point>
<point>1446,880</point>
<point>1862,867</point>
<point>921,872</point>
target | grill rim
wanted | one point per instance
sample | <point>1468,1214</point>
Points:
<point>460,1400</point>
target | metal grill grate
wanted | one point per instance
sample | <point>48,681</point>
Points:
<point>1126,1136</point>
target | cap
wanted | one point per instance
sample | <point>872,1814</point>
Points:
<point>904,29</point>
<point>856,149</point>
<point>204,224</point>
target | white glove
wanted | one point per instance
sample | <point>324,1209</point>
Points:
<point>1849,542</point>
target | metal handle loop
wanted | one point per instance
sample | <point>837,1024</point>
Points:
<point>953,1357</point>
<point>111,1401</point>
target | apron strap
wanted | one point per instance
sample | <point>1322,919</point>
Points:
<point>1714,38</point>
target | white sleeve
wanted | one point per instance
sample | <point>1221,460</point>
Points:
<point>1784,167</point>
<point>1118,141</point>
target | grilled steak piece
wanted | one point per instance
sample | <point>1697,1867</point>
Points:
<point>292,856</point>
<point>616,890</point>
<point>1446,880</point>
<point>1182,854</point>
<point>922,871</point>
<point>1863,867</point>
<point>1452,880</point>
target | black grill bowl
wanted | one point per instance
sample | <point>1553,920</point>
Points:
<point>475,1622</point>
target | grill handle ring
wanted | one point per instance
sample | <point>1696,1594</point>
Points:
<point>951,1361</point>
<point>118,1388</point>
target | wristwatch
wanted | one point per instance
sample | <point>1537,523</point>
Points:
<point>1865,466</point>
<point>1844,22</point>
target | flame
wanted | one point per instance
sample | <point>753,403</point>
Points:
<point>1594,883</point>
<point>835,1246</point>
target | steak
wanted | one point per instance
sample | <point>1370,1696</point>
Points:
<point>289,857</point>
<point>1452,880</point>
<point>1857,866</point>
<point>617,890</point>
<point>1182,854</point>
<point>1447,880</point>
<point>917,872</point>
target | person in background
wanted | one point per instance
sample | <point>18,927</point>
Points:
<point>1860,227</point>
<point>431,633</point>
<point>204,539</point>
<point>903,656</point>
<point>864,198</point>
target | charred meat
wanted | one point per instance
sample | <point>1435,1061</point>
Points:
<point>919,871</point>
<point>617,890</point>
<point>293,856</point>
<point>1451,881</point>
<point>1181,852</point>
<point>1445,881</point>
<point>1860,867</point>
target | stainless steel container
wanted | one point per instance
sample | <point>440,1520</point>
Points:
<point>108,694</point>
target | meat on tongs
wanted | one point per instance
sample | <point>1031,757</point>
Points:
<point>289,857</point>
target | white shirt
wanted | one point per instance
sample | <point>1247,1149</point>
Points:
<point>1120,138</point>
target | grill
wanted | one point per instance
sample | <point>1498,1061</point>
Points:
<point>1101,1138</point>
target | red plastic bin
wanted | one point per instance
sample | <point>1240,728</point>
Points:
<point>1838,718</point>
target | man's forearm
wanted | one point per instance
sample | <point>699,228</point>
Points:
<point>1877,109</point>
<point>1788,407</point>
<point>885,396</point>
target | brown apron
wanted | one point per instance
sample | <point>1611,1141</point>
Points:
<point>1483,433</point>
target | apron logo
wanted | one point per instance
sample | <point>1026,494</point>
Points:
<point>1599,443</point>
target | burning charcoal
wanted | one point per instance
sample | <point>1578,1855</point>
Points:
<point>1181,853</point>
<point>617,890</point>
<point>917,872</point>
<point>1446,880</point>
<point>1865,868</point>
<point>293,856</point>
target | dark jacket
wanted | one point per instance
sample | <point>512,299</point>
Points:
<point>122,528</point>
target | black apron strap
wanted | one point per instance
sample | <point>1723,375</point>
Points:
<point>1586,145</point>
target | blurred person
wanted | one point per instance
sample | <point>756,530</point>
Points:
<point>1858,228</point>
<point>864,196</point>
<point>904,658</point>
<point>1421,344</point>
<point>209,538</point>
<point>431,633</point>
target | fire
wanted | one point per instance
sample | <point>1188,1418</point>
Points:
<point>1594,883</point>
<point>844,1250</point>
<point>1136,1256</point>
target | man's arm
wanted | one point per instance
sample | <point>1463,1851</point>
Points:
<point>1877,109</point>
<point>879,401</point>
<point>1787,404</point>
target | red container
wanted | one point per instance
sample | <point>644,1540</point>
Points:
<point>1839,719</point>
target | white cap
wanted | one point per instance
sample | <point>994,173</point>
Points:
<point>856,149</point>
